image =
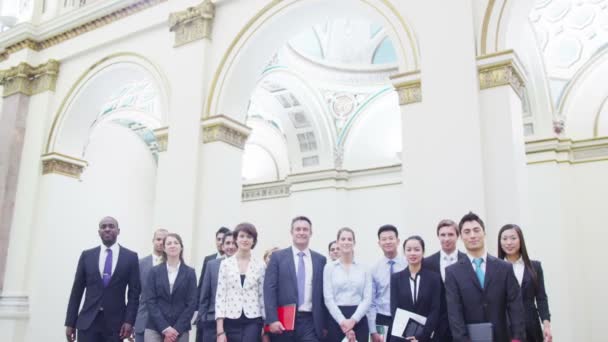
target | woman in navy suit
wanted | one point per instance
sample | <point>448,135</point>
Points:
<point>170,295</point>
<point>529,274</point>
<point>417,290</point>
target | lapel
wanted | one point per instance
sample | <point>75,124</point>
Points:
<point>119,264</point>
<point>422,283</point>
<point>94,264</point>
<point>248,273</point>
<point>405,278</point>
<point>291,266</point>
<point>490,271</point>
<point>181,273</point>
<point>468,269</point>
<point>164,279</point>
<point>526,278</point>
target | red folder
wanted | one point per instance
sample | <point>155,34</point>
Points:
<point>287,317</point>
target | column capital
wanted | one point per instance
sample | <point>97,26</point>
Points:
<point>501,69</point>
<point>193,23</point>
<point>29,80</point>
<point>408,87</point>
<point>225,129</point>
<point>162,138</point>
<point>63,165</point>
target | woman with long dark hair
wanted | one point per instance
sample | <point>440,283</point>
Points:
<point>529,274</point>
<point>170,295</point>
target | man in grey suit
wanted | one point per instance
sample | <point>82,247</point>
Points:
<point>145,265</point>
<point>206,310</point>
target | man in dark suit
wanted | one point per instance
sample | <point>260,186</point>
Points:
<point>105,272</point>
<point>295,276</point>
<point>145,265</point>
<point>482,289</point>
<point>206,309</point>
<point>447,233</point>
<point>219,236</point>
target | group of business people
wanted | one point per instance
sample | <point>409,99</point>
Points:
<point>239,296</point>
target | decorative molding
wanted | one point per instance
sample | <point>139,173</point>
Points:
<point>63,165</point>
<point>408,86</point>
<point>27,36</point>
<point>29,80</point>
<point>225,129</point>
<point>14,307</point>
<point>194,23</point>
<point>500,69</point>
<point>162,138</point>
<point>265,191</point>
<point>556,150</point>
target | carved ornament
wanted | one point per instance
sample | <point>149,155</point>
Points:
<point>192,24</point>
<point>29,80</point>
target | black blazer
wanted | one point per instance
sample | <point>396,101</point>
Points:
<point>170,308</point>
<point>281,287</point>
<point>427,303</point>
<point>111,298</point>
<point>469,303</point>
<point>200,279</point>
<point>535,302</point>
<point>432,262</point>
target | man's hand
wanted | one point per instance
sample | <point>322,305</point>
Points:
<point>347,324</point>
<point>126,330</point>
<point>377,337</point>
<point>171,334</point>
<point>412,338</point>
<point>70,334</point>
<point>276,327</point>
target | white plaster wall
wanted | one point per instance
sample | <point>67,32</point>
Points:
<point>118,182</point>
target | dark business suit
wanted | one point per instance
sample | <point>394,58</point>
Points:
<point>199,330</point>
<point>145,265</point>
<point>531,293</point>
<point>281,288</point>
<point>168,308</point>
<point>427,302</point>
<point>104,310</point>
<point>469,303</point>
<point>206,309</point>
<point>433,263</point>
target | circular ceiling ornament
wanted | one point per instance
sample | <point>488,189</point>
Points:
<point>342,105</point>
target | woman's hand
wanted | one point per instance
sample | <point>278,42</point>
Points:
<point>412,338</point>
<point>547,331</point>
<point>351,336</point>
<point>222,338</point>
<point>347,324</point>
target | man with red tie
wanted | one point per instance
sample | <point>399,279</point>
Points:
<point>105,272</point>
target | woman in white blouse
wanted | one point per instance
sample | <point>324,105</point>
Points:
<point>347,289</point>
<point>529,274</point>
<point>170,294</point>
<point>239,302</point>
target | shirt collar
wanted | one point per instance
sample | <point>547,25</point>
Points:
<point>443,254</point>
<point>176,267</point>
<point>519,261</point>
<point>484,256</point>
<point>113,248</point>
<point>296,251</point>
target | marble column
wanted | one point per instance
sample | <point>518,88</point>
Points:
<point>22,127</point>
<point>220,182</point>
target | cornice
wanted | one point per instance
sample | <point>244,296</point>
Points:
<point>62,165</point>
<point>501,69</point>
<point>65,27</point>
<point>29,80</point>
<point>222,128</point>
<point>193,23</point>
<point>408,86</point>
<point>557,150</point>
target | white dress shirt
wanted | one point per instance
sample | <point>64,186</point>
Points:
<point>347,287</point>
<point>381,288</point>
<point>156,260</point>
<point>415,287</point>
<point>103,255</point>
<point>446,260</point>
<point>172,274</point>
<point>307,305</point>
<point>518,268</point>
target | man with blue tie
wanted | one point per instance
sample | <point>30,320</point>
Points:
<point>105,273</point>
<point>295,276</point>
<point>380,311</point>
<point>145,265</point>
<point>482,289</point>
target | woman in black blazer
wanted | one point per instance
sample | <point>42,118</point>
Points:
<point>170,295</point>
<point>417,290</point>
<point>529,273</point>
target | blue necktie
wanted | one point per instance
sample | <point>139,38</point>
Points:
<point>107,268</point>
<point>301,278</point>
<point>479,271</point>
<point>392,265</point>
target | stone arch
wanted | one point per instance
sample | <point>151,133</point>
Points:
<point>237,77</point>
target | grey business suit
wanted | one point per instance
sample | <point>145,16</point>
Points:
<point>145,265</point>
<point>206,308</point>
